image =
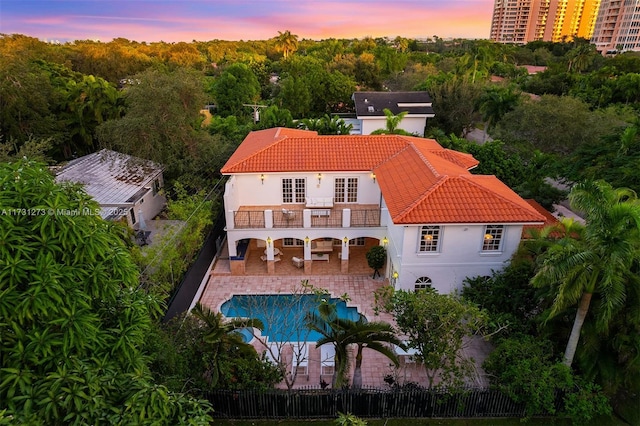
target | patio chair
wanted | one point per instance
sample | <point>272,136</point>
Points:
<point>288,214</point>
<point>297,262</point>
<point>327,360</point>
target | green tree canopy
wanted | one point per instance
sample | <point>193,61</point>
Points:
<point>72,319</point>
<point>236,86</point>
<point>556,124</point>
<point>598,262</point>
<point>162,120</point>
<point>436,326</point>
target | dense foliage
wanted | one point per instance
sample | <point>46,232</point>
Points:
<point>585,303</point>
<point>72,319</point>
<point>436,326</point>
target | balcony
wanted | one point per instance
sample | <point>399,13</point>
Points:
<point>286,216</point>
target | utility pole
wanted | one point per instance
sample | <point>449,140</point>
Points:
<point>256,111</point>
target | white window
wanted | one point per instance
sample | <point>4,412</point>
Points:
<point>429,239</point>
<point>292,242</point>
<point>293,190</point>
<point>492,238</point>
<point>346,190</point>
<point>423,283</point>
<point>356,241</point>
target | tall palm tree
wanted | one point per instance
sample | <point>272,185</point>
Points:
<point>224,336</point>
<point>599,261</point>
<point>287,43</point>
<point>342,333</point>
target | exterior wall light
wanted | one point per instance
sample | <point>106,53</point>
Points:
<point>269,241</point>
<point>306,240</point>
<point>373,176</point>
<point>346,240</point>
<point>395,275</point>
<point>385,241</point>
<point>262,178</point>
<point>319,178</point>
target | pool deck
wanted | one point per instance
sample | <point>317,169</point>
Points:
<point>360,289</point>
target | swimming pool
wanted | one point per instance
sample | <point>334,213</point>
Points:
<point>282,314</point>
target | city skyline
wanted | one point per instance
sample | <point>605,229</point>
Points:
<point>201,20</point>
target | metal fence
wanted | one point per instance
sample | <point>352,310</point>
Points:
<point>372,403</point>
<point>364,218</point>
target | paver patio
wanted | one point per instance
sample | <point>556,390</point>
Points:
<point>360,288</point>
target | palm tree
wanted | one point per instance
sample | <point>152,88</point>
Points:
<point>223,335</point>
<point>393,121</point>
<point>287,43</point>
<point>495,102</point>
<point>342,333</point>
<point>597,261</point>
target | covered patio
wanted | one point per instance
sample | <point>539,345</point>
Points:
<point>289,260</point>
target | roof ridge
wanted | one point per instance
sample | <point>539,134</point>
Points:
<point>471,177</point>
<point>425,160</point>
<point>394,155</point>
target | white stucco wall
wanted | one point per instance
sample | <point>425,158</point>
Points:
<point>412,124</point>
<point>460,255</point>
<point>249,190</point>
<point>149,204</point>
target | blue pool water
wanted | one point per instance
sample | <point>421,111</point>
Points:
<point>282,314</point>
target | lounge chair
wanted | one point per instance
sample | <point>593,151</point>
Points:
<point>299,263</point>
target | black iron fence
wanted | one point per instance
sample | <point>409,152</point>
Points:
<point>372,403</point>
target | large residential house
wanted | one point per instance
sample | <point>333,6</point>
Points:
<point>125,187</point>
<point>327,194</point>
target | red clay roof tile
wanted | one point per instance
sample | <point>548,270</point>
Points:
<point>421,182</point>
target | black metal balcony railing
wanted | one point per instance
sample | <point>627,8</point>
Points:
<point>322,218</point>
<point>248,219</point>
<point>331,220</point>
<point>287,219</point>
<point>365,218</point>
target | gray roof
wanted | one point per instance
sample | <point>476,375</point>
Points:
<point>110,177</point>
<point>372,104</point>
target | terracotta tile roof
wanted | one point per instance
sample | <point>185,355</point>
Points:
<point>421,182</point>
<point>549,219</point>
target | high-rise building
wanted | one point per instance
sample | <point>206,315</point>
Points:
<point>522,21</point>
<point>518,21</point>
<point>618,26</point>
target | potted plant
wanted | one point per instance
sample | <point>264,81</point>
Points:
<point>376,258</point>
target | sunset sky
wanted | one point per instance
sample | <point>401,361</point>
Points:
<point>188,20</point>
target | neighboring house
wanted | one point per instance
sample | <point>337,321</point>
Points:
<point>370,108</point>
<point>439,222</point>
<point>124,186</point>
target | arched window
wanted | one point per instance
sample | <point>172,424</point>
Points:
<point>423,283</point>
